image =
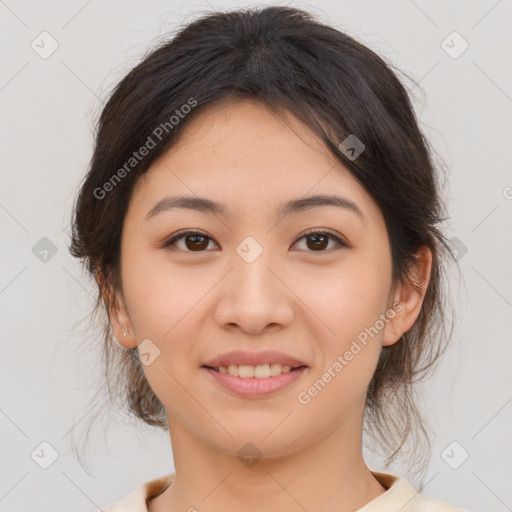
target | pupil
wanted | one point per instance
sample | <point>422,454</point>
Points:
<point>195,245</point>
<point>316,237</point>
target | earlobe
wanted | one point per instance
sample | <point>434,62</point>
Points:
<point>409,295</point>
<point>121,324</point>
<point>117,313</point>
<point>393,330</point>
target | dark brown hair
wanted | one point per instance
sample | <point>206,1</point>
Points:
<point>336,86</point>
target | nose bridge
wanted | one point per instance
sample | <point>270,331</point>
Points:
<point>255,297</point>
<point>251,268</point>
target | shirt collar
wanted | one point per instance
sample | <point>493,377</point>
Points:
<point>399,492</point>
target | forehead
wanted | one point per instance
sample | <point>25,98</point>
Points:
<point>247,157</point>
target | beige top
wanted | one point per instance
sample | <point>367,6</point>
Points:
<point>399,497</point>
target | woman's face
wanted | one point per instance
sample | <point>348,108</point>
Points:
<point>254,281</point>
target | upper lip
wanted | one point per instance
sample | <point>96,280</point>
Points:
<point>240,357</point>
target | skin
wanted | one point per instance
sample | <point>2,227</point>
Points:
<point>307,302</point>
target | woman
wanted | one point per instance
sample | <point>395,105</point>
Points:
<point>260,215</point>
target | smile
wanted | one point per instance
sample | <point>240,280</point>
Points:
<point>243,381</point>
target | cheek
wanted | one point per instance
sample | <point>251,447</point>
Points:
<point>347,303</point>
<point>164,304</point>
<point>347,306</point>
<point>159,294</point>
<point>348,296</point>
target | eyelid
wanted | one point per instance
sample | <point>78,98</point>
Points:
<point>338,238</point>
<point>167,244</point>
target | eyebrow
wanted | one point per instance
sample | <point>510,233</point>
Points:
<point>294,206</point>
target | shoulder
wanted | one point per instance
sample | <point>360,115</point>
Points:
<point>401,496</point>
<point>421,503</point>
<point>137,500</point>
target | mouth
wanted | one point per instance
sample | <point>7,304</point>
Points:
<point>254,382</point>
<point>258,372</point>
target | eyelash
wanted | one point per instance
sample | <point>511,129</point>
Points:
<point>168,244</point>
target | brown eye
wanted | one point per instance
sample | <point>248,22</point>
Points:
<point>194,241</point>
<point>318,240</point>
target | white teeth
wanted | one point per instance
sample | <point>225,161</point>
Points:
<point>262,371</point>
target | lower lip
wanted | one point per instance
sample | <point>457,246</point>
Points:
<point>252,387</point>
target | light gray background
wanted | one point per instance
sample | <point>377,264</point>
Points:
<point>48,109</point>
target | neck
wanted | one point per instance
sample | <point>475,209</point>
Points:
<point>329,475</point>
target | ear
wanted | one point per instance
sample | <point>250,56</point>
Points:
<point>408,297</point>
<point>117,312</point>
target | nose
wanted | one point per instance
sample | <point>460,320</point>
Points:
<point>254,296</point>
